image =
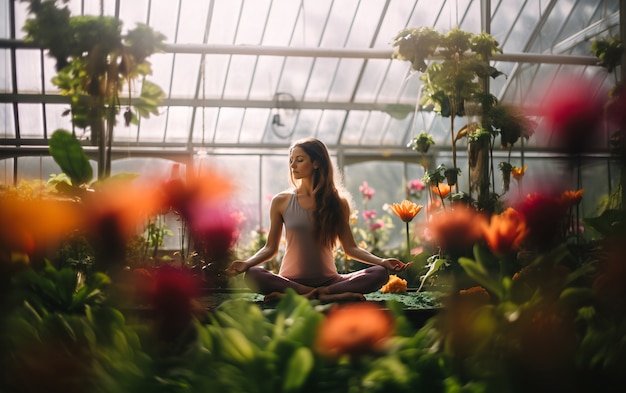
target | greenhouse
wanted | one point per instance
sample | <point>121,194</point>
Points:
<point>459,165</point>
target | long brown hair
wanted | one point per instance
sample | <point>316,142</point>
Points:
<point>331,209</point>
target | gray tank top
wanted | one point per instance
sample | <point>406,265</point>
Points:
<point>304,261</point>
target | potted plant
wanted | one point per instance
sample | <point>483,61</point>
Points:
<point>94,62</point>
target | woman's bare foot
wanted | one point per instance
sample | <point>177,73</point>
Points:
<point>342,297</point>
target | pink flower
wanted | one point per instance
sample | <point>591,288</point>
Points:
<point>415,185</point>
<point>369,214</point>
<point>377,225</point>
<point>367,191</point>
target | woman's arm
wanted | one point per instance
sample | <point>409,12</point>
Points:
<point>352,250</point>
<point>270,249</point>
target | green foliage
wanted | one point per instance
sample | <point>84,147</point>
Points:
<point>68,153</point>
<point>609,52</point>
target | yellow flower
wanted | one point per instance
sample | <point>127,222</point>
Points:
<point>394,285</point>
<point>518,173</point>
<point>406,210</point>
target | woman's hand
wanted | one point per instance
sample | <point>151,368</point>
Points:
<point>237,267</point>
<point>395,265</point>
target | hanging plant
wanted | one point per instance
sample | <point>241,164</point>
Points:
<point>421,143</point>
<point>505,168</point>
<point>452,175</point>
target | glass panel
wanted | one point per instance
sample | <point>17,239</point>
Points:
<point>204,129</point>
<point>41,167</point>
<point>321,79</point>
<point>353,128</point>
<point>153,128</point>
<point>5,18</point>
<point>295,76</point>
<point>339,22</point>
<point>31,120</point>
<point>366,19</point>
<point>7,123</point>
<point>178,124</point>
<point>132,13</point>
<point>186,75</point>
<point>56,119</point>
<point>21,14</point>
<point>239,76</point>
<point>6,172</point>
<point>265,77</point>
<point>192,16</point>
<point>163,18</point>
<point>6,81</point>
<point>228,125</point>
<point>28,71</point>
<point>345,81</point>
<point>330,125</point>
<point>253,125</point>
<point>224,21</point>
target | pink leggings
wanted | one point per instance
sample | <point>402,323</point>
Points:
<point>366,280</point>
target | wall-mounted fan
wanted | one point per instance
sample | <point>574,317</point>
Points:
<point>283,115</point>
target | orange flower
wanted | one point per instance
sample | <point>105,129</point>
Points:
<point>443,190</point>
<point>354,329</point>
<point>406,210</point>
<point>572,198</point>
<point>518,173</point>
<point>456,230</point>
<point>505,232</point>
<point>394,285</point>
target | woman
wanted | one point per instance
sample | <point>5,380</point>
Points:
<point>315,217</point>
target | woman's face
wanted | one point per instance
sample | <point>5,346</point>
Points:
<point>300,164</point>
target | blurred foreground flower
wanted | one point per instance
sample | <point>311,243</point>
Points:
<point>355,329</point>
<point>544,216</point>
<point>574,114</point>
<point>31,226</point>
<point>456,230</point>
<point>394,285</point>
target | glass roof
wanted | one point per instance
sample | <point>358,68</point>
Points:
<point>323,66</point>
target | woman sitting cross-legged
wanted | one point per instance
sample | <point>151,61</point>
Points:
<point>315,217</point>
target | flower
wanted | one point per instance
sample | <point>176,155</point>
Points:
<point>354,329</point>
<point>456,230</point>
<point>574,114</point>
<point>376,225</point>
<point>367,191</point>
<point>518,173</point>
<point>394,285</point>
<point>543,215</point>
<point>406,210</point>
<point>572,198</point>
<point>442,189</point>
<point>415,185</point>
<point>369,214</point>
<point>505,232</point>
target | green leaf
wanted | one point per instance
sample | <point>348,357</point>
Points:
<point>68,153</point>
<point>299,367</point>
<point>433,267</point>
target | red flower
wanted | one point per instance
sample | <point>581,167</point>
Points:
<point>544,216</point>
<point>574,114</point>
